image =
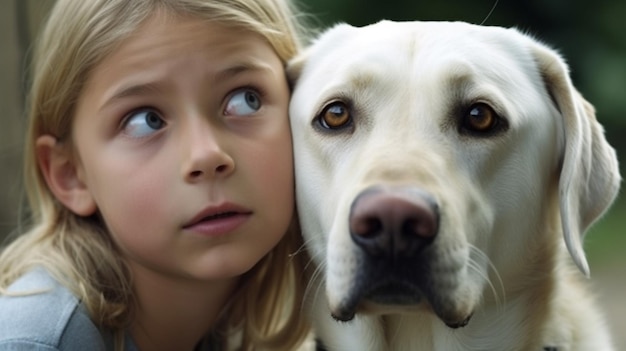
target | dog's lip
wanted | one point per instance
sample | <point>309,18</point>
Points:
<point>343,315</point>
<point>459,323</point>
<point>399,297</point>
<point>383,295</point>
<point>387,297</point>
<point>346,314</point>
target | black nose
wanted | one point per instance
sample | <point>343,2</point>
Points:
<point>393,221</point>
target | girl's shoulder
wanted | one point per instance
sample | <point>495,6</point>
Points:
<point>41,314</point>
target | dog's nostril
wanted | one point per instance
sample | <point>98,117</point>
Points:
<point>413,227</point>
<point>367,227</point>
<point>393,221</point>
<point>421,227</point>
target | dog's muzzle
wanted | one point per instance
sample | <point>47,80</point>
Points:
<point>393,226</point>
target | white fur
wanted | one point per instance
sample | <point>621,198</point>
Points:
<point>500,250</point>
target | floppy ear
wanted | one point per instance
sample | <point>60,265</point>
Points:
<point>589,179</point>
<point>333,36</point>
<point>294,68</point>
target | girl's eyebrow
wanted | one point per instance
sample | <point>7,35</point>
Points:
<point>223,75</point>
<point>242,67</point>
<point>132,90</point>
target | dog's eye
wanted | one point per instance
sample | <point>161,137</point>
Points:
<point>480,118</point>
<point>335,115</point>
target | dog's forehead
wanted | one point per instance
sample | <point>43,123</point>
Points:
<point>440,62</point>
<point>422,45</point>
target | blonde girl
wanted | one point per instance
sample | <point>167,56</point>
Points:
<point>159,176</point>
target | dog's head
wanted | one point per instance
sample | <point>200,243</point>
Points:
<point>430,156</point>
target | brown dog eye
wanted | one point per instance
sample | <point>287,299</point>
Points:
<point>335,115</point>
<point>480,118</point>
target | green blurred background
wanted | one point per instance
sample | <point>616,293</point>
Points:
<point>591,35</point>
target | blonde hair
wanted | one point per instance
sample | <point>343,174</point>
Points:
<point>77,250</point>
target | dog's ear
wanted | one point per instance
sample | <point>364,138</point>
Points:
<point>294,68</point>
<point>334,36</point>
<point>589,175</point>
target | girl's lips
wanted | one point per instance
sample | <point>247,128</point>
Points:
<point>218,220</point>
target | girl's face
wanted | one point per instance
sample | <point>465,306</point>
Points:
<point>183,143</point>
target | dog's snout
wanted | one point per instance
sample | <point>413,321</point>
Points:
<point>397,221</point>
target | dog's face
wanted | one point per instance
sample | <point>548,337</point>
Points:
<point>428,159</point>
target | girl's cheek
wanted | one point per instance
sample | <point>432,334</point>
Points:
<point>132,198</point>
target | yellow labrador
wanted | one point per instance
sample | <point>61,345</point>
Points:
<point>446,174</point>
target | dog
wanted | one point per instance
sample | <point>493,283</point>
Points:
<point>446,174</point>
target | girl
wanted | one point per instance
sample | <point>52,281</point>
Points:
<point>159,173</point>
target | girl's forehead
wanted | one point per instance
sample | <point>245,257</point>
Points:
<point>185,35</point>
<point>177,50</point>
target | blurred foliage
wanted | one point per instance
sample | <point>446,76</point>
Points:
<point>605,242</point>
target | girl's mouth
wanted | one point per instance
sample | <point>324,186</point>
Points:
<point>218,220</point>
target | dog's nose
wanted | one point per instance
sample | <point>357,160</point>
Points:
<point>393,221</point>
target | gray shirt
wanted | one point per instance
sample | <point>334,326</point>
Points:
<point>52,320</point>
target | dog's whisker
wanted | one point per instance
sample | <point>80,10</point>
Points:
<point>496,274</point>
<point>475,265</point>
<point>312,256</point>
<point>302,248</point>
<point>493,8</point>
<point>476,268</point>
<point>313,283</point>
<point>318,287</point>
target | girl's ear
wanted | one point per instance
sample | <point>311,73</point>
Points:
<point>63,176</point>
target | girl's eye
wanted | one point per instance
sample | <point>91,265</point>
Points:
<point>243,103</point>
<point>142,123</point>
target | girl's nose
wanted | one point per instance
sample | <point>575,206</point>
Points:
<point>206,157</point>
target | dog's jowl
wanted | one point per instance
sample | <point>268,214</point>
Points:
<point>446,174</point>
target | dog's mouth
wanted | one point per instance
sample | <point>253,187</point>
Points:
<point>388,293</point>
<point>394,293</point>
<point>392,296</point>
<point>396,304</point>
